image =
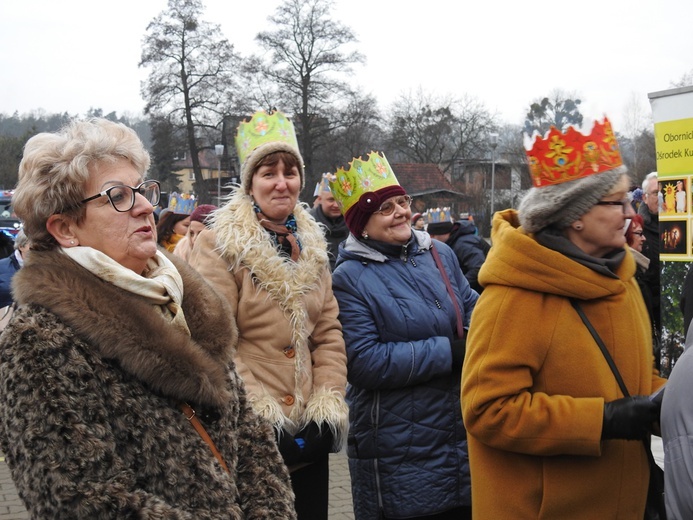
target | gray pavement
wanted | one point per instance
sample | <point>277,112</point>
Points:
<point>11,507</point>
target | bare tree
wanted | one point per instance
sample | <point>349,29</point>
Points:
<point>356,131</point>
<point>307,49</point>
<point>635,123</point>
<point>190,83</point>
<point>684,81</point>
<point>429,129</point>
<point>167,143</point>
<point>559,109</point>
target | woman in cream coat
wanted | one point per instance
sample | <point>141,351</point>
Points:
<point>267,256</point>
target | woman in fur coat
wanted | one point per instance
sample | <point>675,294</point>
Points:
<point>268,258</point>
<point>118,360</point>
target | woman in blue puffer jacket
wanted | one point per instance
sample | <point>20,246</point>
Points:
<point>407,444</point>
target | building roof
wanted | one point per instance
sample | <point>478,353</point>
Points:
<point>420,179</point>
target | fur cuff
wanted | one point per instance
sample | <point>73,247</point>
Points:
<point>268,408</point>
<point>329,407</point>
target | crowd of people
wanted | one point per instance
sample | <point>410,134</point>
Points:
<point>207,365</point>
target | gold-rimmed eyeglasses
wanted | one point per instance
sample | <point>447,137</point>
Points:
<point>388,207</point>
<point>122,197</point>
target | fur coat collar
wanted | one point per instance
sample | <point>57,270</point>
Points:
<point>122,327</point>
<point>244,243</point>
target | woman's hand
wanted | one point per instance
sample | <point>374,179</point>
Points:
<point>629,417</point>
<point>317,441</point>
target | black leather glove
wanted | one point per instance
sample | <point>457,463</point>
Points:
<point>629,417</point>
<point>458,347</point>
<point>317,441</point>
<point>289,448</point>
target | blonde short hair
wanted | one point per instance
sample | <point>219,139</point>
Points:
<point>55,169</point>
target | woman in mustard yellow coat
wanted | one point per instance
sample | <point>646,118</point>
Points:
<point>550,434</point>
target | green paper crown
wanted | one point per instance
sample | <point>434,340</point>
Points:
<point>264,128</point>
<point>361,177</point>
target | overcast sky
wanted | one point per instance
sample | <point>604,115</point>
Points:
<point>73,55</point>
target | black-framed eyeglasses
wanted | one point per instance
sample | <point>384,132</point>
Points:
<point>621,203</point>
<point>388,207</point>
<point>639,233</point>
<point>122,197</point>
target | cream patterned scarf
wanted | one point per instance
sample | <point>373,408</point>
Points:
<point>160,284</point>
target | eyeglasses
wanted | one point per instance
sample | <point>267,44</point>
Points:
<point>621,203</point>
<point>388,207</point>
<point>639,233</point>
<point>122,198</point>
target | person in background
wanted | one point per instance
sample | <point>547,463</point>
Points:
<point>470,249</point>
<point>649,211</point>
<point>547,425</point>
<point>636,198</point>
<point>198,221</point>
<point>686,302</point>
<point>677,432</point>
<point>635,238</point>
<point>405,343</point>
<point>171,228</point>
<point>9,266</point>
<point>417,222</point>
<point>6,244</point>
<point>118,352</point>
<point>268,258</point>
<point>329,215</point>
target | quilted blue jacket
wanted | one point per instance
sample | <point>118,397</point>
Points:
<point>407,444</point>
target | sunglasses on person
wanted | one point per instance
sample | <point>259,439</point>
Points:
<point>388,207</point>
<point>122,197</point>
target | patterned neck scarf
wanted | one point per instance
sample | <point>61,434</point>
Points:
<point>283,235</point>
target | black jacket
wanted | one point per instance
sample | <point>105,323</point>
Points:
<point>470,249</point>
<point>335,230</point>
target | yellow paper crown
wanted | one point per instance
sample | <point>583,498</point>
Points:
<point>361,177</point>
<point>437,215</point>
<point>263,128</point>
<point>560,157</point>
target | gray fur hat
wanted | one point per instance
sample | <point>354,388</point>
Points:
<point>562,204</point>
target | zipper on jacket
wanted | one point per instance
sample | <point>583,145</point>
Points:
<point>375,411</point>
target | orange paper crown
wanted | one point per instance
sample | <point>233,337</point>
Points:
<point>565,157</point>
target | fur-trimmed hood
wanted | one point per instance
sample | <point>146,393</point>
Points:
<point>125,328</point>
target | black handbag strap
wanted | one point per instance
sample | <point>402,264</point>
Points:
<point>602,347</point>
<point>614,369</point>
